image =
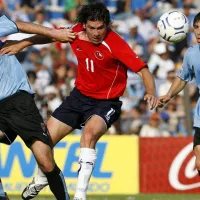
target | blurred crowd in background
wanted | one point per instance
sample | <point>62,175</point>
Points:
<point>52,68</point>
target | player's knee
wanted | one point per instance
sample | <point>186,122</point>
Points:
<point>89,137</point>
<point>47,166</point>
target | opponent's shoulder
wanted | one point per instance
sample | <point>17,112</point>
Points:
<point>5,19</point>
<point>192,49</point>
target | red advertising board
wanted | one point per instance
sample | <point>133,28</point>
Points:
<point>167,165</point>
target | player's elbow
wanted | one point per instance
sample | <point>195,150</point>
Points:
<point>144,72</point>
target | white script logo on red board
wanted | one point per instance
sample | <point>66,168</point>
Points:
<point>189,172</point>
<point>99,55</point>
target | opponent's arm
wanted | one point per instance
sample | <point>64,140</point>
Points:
<point>27,27</point>
<point>48,35</point>
<point>149,84</point>
<point>177,86</point>
<point>62,35</point>
<point>12,47</point>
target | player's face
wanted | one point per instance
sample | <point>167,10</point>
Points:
<point>96,31</point>
<point>197,31</point>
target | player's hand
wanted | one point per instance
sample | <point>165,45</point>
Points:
<point>63,35</point>
<point>163,100</point>
<point>152,101</point>
<point>11,47</point>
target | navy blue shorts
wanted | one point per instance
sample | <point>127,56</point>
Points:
<point>77,108</point>
<point>20,116</point>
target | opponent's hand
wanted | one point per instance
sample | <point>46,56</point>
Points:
<point>151,100</point>
<point>11,47</point>
<point>63,35</point>
<point>163,100</point>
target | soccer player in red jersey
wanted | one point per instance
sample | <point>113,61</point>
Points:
<point>103,59</point>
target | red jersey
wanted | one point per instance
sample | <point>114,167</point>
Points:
<point>102,69</point>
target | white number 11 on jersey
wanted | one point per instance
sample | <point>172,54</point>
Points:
<point>89,65</point>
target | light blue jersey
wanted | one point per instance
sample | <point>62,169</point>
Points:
<point>190,70</point>
<point>12,76</point>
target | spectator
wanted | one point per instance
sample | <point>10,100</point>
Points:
<point>71,8</point>
<point>3,8</point>
<point>160,58</point>
<point>174,117</point>
<point>62,60</point>
<point>12,5</point>
<point>152,128</point>
<point>41,20</point>
<point>31,7</point>
<point>52,98</point>
<point>145,27</point>
<point>148,6</point>
<point>142,110</point>
<point>136,40</point>
<point>47,60</point>
<point>43,77</point>
<point>32,77</point>
<point>125,112</point>
<point>167,83</point>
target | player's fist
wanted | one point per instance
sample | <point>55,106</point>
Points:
<point>163,100</point>
<point>63,35</point>
<point>11,47</point>
<point>152,101</point>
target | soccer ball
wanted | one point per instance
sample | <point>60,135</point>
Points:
<point>173,26</point>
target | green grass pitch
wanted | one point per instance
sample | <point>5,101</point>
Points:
<point>134,197</point>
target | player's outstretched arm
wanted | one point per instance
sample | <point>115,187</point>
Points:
<point>62,35</point>
<point>149,84</point>
<point>12,47</point>
<point>175,88</point>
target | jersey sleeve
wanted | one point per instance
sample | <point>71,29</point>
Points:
<point>7,26</point>
<point>122,52</point>
<point>186,73</point>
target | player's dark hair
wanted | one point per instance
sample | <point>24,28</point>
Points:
<point>196,18</point>
<point>94,12</point>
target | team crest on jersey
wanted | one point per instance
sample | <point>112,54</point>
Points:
<point>99,55</point>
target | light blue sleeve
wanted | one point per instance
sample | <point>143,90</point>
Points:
<point>186,73</point>
<point>7,27</point>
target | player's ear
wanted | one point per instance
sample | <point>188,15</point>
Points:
<point>84,26</point>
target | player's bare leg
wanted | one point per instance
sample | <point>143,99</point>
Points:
<point>197,154</point>
<point>94,129</point>
<point>45,160</point>
<point>57,131</point>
